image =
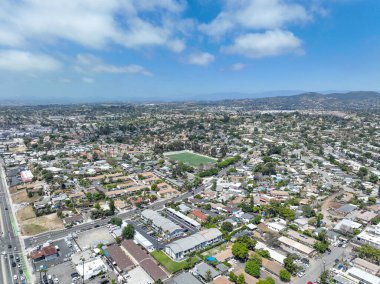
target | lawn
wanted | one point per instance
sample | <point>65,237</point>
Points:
<point>191,158</point>
<point>171,265</point>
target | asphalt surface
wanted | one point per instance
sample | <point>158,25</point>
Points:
<point>9,237</point>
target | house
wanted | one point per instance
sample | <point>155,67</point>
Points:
<point>246,217</point>
<point>73,220</point>
<point>277,226</point>
<point>199,215</point>
<point>347,226</point>
<point>202,269</point>
<point>178,249</point>
<point>346,209</point>
<point>186,277</point>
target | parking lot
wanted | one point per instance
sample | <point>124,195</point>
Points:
<point>64,253</point>
<point>91,238</point>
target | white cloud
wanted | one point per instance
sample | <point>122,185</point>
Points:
<point>91,23</point>
<point>88,80</point>
<point>90,63</point>
<point>255,15</point>
<point>202,58</point>
<point>237,66</point>
<point>269,43</point>
<point>20,61</point>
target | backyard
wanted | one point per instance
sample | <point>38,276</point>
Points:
<point>171,265</point>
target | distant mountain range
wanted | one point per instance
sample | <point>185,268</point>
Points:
<point>360,100</point>
<point>273,100</point>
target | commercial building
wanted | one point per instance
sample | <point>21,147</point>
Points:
<point>46,253</point>
<point>144,260</point>
<point>180,248</point>
<point>161,224</point>
<point>91,268</point>
<point>119,259</point>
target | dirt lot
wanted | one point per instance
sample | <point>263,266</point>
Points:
<point>25,213</point>
<point>41,224</point>
<point>21,196</point>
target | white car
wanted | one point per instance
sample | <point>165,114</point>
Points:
<point>15,277</point>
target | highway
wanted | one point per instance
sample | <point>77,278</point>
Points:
<point>10,244</point>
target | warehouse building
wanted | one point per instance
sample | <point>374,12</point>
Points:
<point>180,248</point>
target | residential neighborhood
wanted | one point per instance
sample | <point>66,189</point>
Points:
<point>190,194</point>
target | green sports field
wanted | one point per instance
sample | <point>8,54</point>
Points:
<point>191,159</point>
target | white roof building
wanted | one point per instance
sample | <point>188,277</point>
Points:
<point>180,248</point>
<point>91,268</point>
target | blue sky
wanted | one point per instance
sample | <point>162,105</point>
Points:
<point>136,49</point>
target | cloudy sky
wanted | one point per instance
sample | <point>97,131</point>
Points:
<point>136,49</point>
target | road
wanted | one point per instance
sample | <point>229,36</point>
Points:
<point>327,261</point>
<point>10,237</point>
<point>59,234</point>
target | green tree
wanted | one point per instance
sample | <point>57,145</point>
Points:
<point>232,277</point>
<point>128,232</point>
<point>285,275</point>
<point>326,278</point>
<point>240,279</point>
<point>363,172</point>
<point>257,219</point>
<point>252,268</point>
<point>112,206</point>
<point>321,247</point>
<point>208,276</point>
<point>289,264</point>
<point>263,252</point>
<point>268,280</point>
<point>116,221</point>
<point>240,250</point>
<point>227,226</point>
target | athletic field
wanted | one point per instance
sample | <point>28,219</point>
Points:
<point>190,158</point>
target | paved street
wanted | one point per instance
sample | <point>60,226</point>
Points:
<point>9,237</point>
<point>317,265</point>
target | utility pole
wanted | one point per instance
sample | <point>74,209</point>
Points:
<point>82,259</point>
